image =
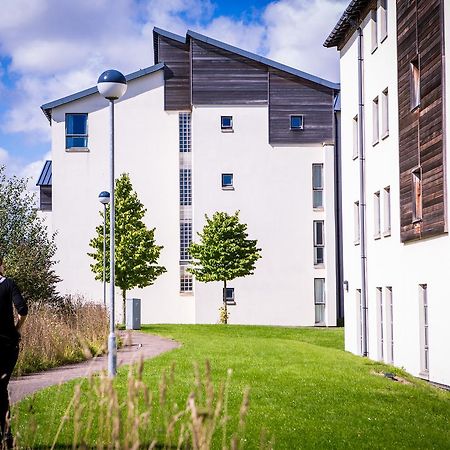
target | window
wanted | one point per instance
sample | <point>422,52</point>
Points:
<point>356,222</point>
<point>415,83</point>
<point>385,114</point>
<point>185,187</point>
<point>76,131</point>
<point>319,242</point>
<point>389,325</point>
<point>317,181</point>
<point>229,296</point>
<point>297,122</point>
<point>379,298</point>
<point>227,181</point>
<point>375,122</point>
<point>355,137</point>
<point>184,123</point>
<point>376,215</point>
<point>424,337</point>
<point>186,283</point>
<point>359,321</point>
<point>319,300</point>
<point>417,195</point>
<point>374,31</point>
<point>185,240</point>
<point>383,19</point>
<point>45,203</point>
<point>226,123</point>
<point>387,211</point>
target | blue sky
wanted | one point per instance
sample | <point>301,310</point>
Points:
<point>52,48</point>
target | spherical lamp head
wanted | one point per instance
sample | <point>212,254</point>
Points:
<point>112,84</point>
<point>104,197</point>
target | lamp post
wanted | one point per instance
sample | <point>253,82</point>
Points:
<point>112,85</point>
<point>104,198</point>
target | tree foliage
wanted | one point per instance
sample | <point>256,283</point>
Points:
<point>25,243</point>
<point>224,251</point>
<point>136,253</point>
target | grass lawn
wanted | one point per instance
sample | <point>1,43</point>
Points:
<point>304,390</point>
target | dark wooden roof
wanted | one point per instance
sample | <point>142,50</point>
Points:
<point>349,20</point>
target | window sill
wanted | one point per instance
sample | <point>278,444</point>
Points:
<point>320,324</point>
<point>318,209</point>
<point>227,188</point>
<point>424,374</point>
<point>414,108</point>
<point>374,49</point>
<point>319,266</point>
<point>383,38</point>
<point>374,143</point>
<point>356,242</point>
<point>385,135</point>
<point>227,130</point>
<point>416,221</point>
<point>77,150</point>
<point>377,236</point>
<point>387,233</point>
<point>355,157</point>
<point>186,294</point>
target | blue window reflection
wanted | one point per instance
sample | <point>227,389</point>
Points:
<point>227,180</point>
<point>226,122</point>
<point>76,131</point>
<point>296,122</point>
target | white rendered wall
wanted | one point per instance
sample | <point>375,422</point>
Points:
<point>273,191</point>
<point>389,262</point>
<point>146,148</point>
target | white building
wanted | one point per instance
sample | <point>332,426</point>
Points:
<point>395,146</point>
<point>208,128</point>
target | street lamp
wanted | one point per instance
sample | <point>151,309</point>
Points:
<point>112,85</point>
<point>104,198</point>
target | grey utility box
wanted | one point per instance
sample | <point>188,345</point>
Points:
<point>133,314</point>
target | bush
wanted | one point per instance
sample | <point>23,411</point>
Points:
<point>72,331</point>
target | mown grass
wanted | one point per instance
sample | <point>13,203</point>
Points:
<point>305,391</point>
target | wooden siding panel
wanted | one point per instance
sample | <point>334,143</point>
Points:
<point>420,32</point>
<point>220,77</point>
<point>177,94</point>
<point>288,95</point>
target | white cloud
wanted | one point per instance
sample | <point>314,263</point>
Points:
<point>4,156</point>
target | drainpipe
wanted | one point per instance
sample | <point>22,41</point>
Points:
<point>362,195</point>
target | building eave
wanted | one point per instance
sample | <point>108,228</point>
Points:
<point>48,107</point>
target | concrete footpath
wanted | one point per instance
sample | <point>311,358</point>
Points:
<point>136,345</point>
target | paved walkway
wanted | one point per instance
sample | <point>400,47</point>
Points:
<point>136,345</point>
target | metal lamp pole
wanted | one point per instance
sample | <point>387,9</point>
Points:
<point>104,198</point>
<point>112,85</point>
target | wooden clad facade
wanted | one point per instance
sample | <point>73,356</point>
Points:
<point>421,146</point>
<point>177,73</point>
<point>199,73</point>
<point>289,95</point>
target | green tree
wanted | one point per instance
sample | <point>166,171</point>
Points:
<point>136,253</point>
<point>25,243</point>
<point>224,252</point>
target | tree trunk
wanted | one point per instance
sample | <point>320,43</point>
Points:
<point>124,306</point>
<point>225,300</point>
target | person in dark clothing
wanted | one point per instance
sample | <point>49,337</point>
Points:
<point>9,344</point>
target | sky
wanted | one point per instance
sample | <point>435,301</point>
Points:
<point>53,48</point>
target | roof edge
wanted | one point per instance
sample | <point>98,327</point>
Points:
<point>47,107</point>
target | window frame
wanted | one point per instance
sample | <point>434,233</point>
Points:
<point>321,303</point>
<point>355,137</point>
<point>414,83</point>
<point>385,113</point>
<point>374,31</point>
<point>301,126</point>
<point>226,128</point>
<point>424,331</point>
<point>380,327</point>
<point>387,220</point>
<point>318,189</point>
<point>375,121</point>
<point>383,19</point>
<point>318,245</point>
<point>76,135</point>
<point>377,215</point>
<point>356,223</point>
<point>417,195</point>
<point>186,281</point>
<point>227,187</point>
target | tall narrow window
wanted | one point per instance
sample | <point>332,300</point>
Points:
<point>389,326</point>
<point>355,137</point>
<point>380,327</point>
<point>415,83</point>
<point>417,195</point>
<point>185,132</point>
<point>185,280</point>
<point>356,222</point>
<point>374,31</point>
<point>385,113</point>
<point>375,122</point>
<point>424,338</point>
<point>359,321</point>
<point>376,215</point>
<point>319,242</point>
<point>387,211</point>
<point>383,14</point>
<point>319,300</point>
<point>185,187</point>
<point>76,131</point>
<point>317,179</point>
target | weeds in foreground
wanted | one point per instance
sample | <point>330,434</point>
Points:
<point>73,331</point>
<point>100,417</point>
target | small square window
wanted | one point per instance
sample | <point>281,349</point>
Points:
<point>226,123</point>
<point>229,294</point>
<point>296,122</point>
<point>227,181</point>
